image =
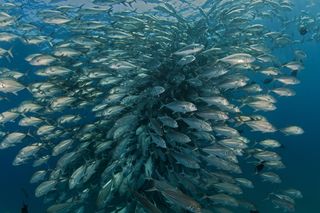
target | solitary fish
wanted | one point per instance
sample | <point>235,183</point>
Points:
<point>292,130</point>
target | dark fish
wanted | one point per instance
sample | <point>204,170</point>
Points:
<point>259,167</point>
<point>24,208</point>
<point>267,80</point>
<point>294,73</point>
<point>303,30</point>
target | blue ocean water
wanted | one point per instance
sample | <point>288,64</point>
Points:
<point>300,153</point>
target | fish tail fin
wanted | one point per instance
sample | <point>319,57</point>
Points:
<point>29,134</point>
<point>243,102</point>
<point>80,7</point>
<point>6,98</point>
<point>50,42</point>
<point>8,58</point>
<point>23,38</point>
<point>204,197</point>
<point>110,10</point>
<point>179,116</point>
<point>242,105</point>
<point>20,17</point>
<point>10,52</point>
<point>27,87</point>
<point>238,123</point>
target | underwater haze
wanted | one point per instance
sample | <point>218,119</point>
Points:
<point>150,106</point>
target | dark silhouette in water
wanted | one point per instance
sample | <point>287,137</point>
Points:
<point>267,80</point>
<point>25,193</point>
<point>294,73</point>
<point>302,30</point>
<point>254,211</point>
<point>260,166</point>
<point>24,208</point>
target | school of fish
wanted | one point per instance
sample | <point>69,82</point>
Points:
<point>148,111</point>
